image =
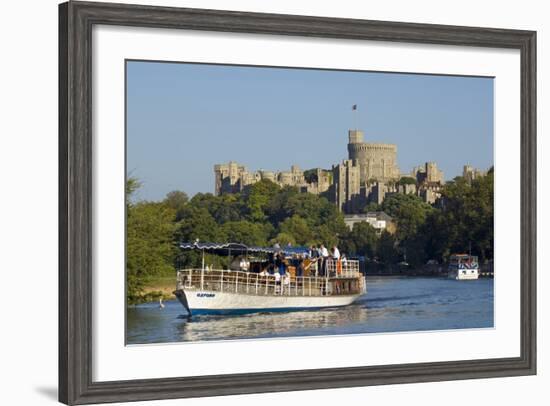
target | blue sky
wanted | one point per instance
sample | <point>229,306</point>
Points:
<point>184,118</point>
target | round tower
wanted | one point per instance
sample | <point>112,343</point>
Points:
<point>377,161</point>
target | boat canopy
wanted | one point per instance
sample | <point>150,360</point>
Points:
<point>239,249</point>
<point>461,258</point>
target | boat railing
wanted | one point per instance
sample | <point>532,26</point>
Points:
<point>241,282</point>
<point>342,268</point>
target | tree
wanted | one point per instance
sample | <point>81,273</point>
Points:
<point>361,240</point>
<point>386,249</point>
<point>408,211</point>
<point>407,180</point>
<point>246,232</point>
<point>176,199</point>
<point>198,224</point>
<point>149,244</point>
<point>325,235</point>
<point>298,228</point>
<point>372,206</point>
<point>224,208</point>
<point>283,239</point>
<point>132,185</point>
<point>466,218</point>
<point>280,206</point>
<point>321,216</point>
<point>258,196</point>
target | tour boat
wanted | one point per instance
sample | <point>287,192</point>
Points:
<point>230,291</point>
<point>463,267</point>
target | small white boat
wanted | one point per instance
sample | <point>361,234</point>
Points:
<point>223,291</point>
<point>463,267</point>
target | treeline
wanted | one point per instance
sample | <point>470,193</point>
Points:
<point>265,213</point>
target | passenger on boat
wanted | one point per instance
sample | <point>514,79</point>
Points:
<point>270,262</point>
<point>314,255</point>
<point>286,282</point>
<point>280,263</point>
<point>344,261</point>
<point>324,258</point>
<point>244,265</point>
<point>300,266</point>
<point>336,258</point>
<point>277,282</point>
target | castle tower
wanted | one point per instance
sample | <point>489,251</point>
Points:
<point>433,174</point>
<point>376,161</point>
<point>346,184</point>
<point>355,136</point>
<point>228,177</point>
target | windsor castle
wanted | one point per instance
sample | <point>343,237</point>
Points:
<point>368,174</point>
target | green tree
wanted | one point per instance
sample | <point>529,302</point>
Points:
<point>465,220</point>
<point>149,244</point>
<point>372,206</point>
<point>132,185</point>
<point>408,211</point>
<point>258,196</point>
<point>407,180</point>
<point>198,224</point>
<point>325,235</point>
<point>176,200</point>
<point>283,239</point>
<point>224,208</point>
<point>246,232</point>
<point>321,216</point>
<point>298,228</point>
<point>361,240</point>
<point>387,248</point>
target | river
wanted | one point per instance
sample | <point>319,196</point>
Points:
<point>391,304</point>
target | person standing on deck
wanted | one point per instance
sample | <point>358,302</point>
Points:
<point>278,289</point>
<point>314,256</point>
<point>336,258</point>
<point>324,258</point>
<point>299,265</point>
<point>280,263</point>
<point>244,265</point>
<point>286,283</point>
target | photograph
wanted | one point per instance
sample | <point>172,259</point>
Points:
<point>267,202</point>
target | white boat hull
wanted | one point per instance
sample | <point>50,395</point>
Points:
<point>470,274</point>
<point>227,302</point>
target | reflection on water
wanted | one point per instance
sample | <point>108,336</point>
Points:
<point>271,324</point>
<point>393,304</point>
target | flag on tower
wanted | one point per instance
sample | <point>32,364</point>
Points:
<point>354,107</point>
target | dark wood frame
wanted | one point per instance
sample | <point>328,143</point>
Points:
<point>75,201</point>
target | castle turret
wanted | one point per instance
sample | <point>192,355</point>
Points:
<point>355,136</point>
<point>376,161</point>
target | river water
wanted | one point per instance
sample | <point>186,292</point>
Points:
<point>391,304</point>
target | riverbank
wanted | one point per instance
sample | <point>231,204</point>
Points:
<point>156,288</point>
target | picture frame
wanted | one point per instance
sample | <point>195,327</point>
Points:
<point>76,352</point>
